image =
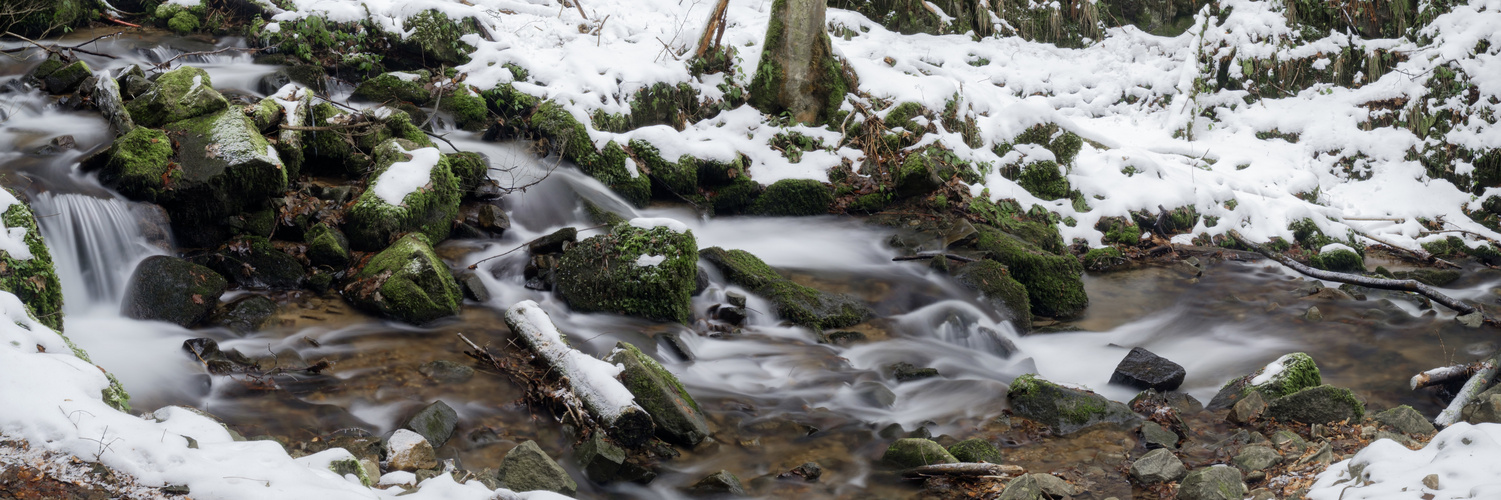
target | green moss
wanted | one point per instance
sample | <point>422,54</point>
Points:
<point>183,23</point>
<point>915,452</point>
<point>676,177</point>
<point>180,94</point>
<point>993,280</point>
<point>1044,180</point>
<point>795,303</point>
<point>902,114</point>
<point>470,168</point>
<point>602,273</point>
<point>32,280</point>
<point>1102,259</point>
<point>737,196</point>
<point>327,246</point>
<point>390,88</point>
<point>678,417</point>
<point>351,465</point>
<point>1062,143</point>
<point>58,16</point>
<point>1053,282</point>
<point>372,223</point>
<point>1307,234</point>
<point>1343,261</point>
<point>976,450</point>
<point>927,169</point>
<point>408,282</point>
<point>1298,372</point>
<point>1064,409</point>
<point>433,37</point>
<point>794,197</point>
<point>469,110</point>
<point>139,165</point>
<point>1119,230</point>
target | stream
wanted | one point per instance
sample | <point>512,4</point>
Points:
<point>775,396</point>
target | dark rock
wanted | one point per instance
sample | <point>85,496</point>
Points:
<point>218,362</point>
<point>1153,435</point>
<point>1247,409</point>
<point>1317,405</point>
<point>1181,402</point>
<point>247,315</point>
<point>907,453</point>
<point>67,79</point>
<point>1486,407</point>
<point>735,299</point>
<point>1001,291</point>
<point>975,450</point>
<point>793,302</point>
<point>906,372</point>
<point>1157,466</point>
<point>718,484</point>
<point>435,422</point>
<point>171,289</point>
<point>809,472</point>
<point>326,245</point>
<point>1431,277</point>
<point>730,314</point>
<point>112,105</point>
<point>155,224</point>
<point>447,372</point>
<point>487,218</point>
<point>1064,409</point>
<point>1406,420</point>
<point>553,243</point>
<point>635,271</point>
<point>1144,370</point>
<point>677,416</point>
<point>527,468</point>
<point>251,262</point>
<point>273,82</point>
<point>473,286</point>
<point>603,462</point>
<point>1217,482</point>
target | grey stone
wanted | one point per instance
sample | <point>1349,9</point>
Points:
<point>1054,487</point>
<point>1144,370</point>
<point>906,372</point>
<point>1405,419</point>
<point>1154,435</point>
<point>434,422</point>
<point>1256,457</point>
<point>1064,409</point>
<point>473,286</point>
<point>913,452</point>
<point>1247,409</point>
<point>677,416</point>
<point>171,289</point>
<point>409,451</point>
<point>1218,482</point>
<point>527,468</point>
<point>247,315</point>
<point>1313,314</point>
<point>446,371</point>
<point>1023,488</point>
<point>718,484</point>
<point>1317,405</point>
<point>1289,441</point>
<point>1157,466</point>
<point>1472,320</point>
<point>600,459</point>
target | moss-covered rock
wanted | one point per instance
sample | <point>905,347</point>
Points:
<point>916,452</point>
<point>795,303</point>
<point>793,197</point>
<point>468,109</point>
<point>227,168</point>
<point>1320,404</point>
<point>975,450</point>
<point>646,272</point>
<point>1285,375</point>
<point>1064,409</point>
<point>327,246</point>
<point>30,274</point>
<point>1044,180</point>
<point>139,165</point>
<point>736,196</point>
<point>434,38</point>
<point>571,138</point>
<point>171,289</point>
<point>1338,260</point>
<point>252,262</point>
<point>1054,286</point>
<point>678,417</point>
<point>396,87</point>
<point>924,171</point>
<point>67,79</point>
<point>471,169</point>
<point>180,94</point>
<point>1102,259</point>
<point>676,177</point>
<point>1002,291</point>
<point>373,221</point>
<point>407,282</point>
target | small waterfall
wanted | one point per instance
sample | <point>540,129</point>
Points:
<point>95,244</point>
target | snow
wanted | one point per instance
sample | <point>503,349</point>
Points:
<point>403,178</point>
<point>673,225</point>
<point>649,260</point>
<point>52,400</point>
<point>273,28</point>
<point>12,239</point>
<point>1465,457</point>
<point>592,379</point>
<point>1272,370</point>
<point>1334,247</point>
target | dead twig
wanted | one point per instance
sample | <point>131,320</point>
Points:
<point>949,256</point>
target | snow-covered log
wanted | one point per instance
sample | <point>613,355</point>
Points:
<point>1443,374</point>
<point>591,380</point>
<point>1478,383</point>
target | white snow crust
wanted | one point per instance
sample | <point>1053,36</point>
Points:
<point>404,178</point>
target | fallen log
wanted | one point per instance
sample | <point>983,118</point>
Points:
<point>1477,384</point>
<point>964,469</point>
<point>1445,374</point>
<point>590,379</point>
<point>1353,279</point>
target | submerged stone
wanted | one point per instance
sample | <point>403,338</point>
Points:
<point>171,289</point>
<point>718,484</point>
<point>907,453</point>
<point>795,303</point>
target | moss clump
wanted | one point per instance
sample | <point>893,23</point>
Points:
<point>659,104</point>
<point>676,178</point>
<point>1307,234</point>
<point>735,197</point>
<point>183,22</point>
<point>392,87</point>
<point>1053,282</point>
<point>1000,289</point>
<point>1338,260</point>
<point>794,197</point>
<point>327,246</point>
<point>1102,259</point>
<point>471,169</point>
<point>976,450</point>
<point>798,304</point>
<point>67,79</point>
<point>468,109</point>
<point>372,223</point>
<point>32,280</point>
<point>1290,373</point>
<point>923,171</point>
<point>435,38</point>
<point>177,95</point>
<point>902,114</point>
<point>139,166</point>
<point>1119,231</point>
<point>571,138</point>
<point>1064,409</point>
<point>1044,180</point>
<point>916,452</point>
<point>351,465</point>
<point>407,282</point>
<point>648,273</point>
<point>678,417</point>
<point>1062,143</point>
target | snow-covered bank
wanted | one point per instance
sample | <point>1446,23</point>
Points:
<point>52,400</point>
<point>1464,461</point>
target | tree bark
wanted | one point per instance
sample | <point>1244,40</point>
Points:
<point>798,73</point>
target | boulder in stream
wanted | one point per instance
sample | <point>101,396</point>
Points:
<point>644,267</point>
<point>1054,286</point>
<point>222,167</point>
<point>407,282</point>
<point>718,484</point>
<point>246,315</point>
<point>1285,375</point>
<point>1001,291</point>
<point>1065,409</point>
<point>679,419</point>
<point>171,289</point>
<point>327,246</point>
<point>1317,405</point>
<point>798,304</point>
<point>252,262</point>
<point>177,95</point>
<point>1157,466</point>
<point>907,453</point>
<point>435,422</point>
<point>1143,369</point>
<point>411,189</point>
<point>527,468</point>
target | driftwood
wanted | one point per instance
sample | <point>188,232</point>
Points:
<point>714,30</point>
<point>1477,384</point>
<point>964,469</point>
<point>1442,375</point>
<point>1353,279</point>
<point>1419,254</point>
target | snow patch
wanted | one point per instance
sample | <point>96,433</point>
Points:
<point>649,223</point>
<point>404,178</point>
<point>1465,457</point>
<point>1333,247</point>
<point>1272,370</point>
<point>650,260</point>
<point>12,239</point>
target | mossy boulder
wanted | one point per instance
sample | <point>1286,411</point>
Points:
<point>795,303</point>
<point>252,262</point>
<point>1338,260</point>
<point>170,289</point>
<point>327,246</point>
<point>177,95</point>
<point>678,417</point>
<point>735,196</point>
<point>471,169</point>
<point>975,450</point>
<point>407,282</point>
<point>29,274</point>
<point>1044,180</point>
<point>1054,284</point>
<point>1003,292</point>
<point>923,171</point>
<point>468,109</point>
<point>1064,409</point>
<point>1317,405</point>
<point>676,178</point>
<point>398,201</point>
<point>67,79</point>
<point>571,138</point>
<point>793,197</point>
<point>396,87</point>
<point>916,452</point>
<point>1286,375</point>
<point>639,271</point>
<point>432,37</point>
<point>139,165</point>
<point>1102,259</point>
<point>226,168</point>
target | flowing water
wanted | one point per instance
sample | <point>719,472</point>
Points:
<point>776,397</point>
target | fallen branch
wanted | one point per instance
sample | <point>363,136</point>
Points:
<point>921,256</point>
<point>966,469</point>
<point>1419,254</point>
<point>325,128</point>
<point>1438,376</point>
<point>1477,384</point>
<point>1353,279</point>
<point>715,26</point>
<point>119,22</point>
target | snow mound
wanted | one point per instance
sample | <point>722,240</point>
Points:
<point>1466,459</point>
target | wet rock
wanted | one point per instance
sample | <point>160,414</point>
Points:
<point>1053,487</point>
<point>718,484</point>
<point>556,242</point>
<point>1144,370</point>
<point>67,79</point>
<point>1054,285</point>
<point>793,197</point>
<point>1313,314</point>
<point>112,105</point>
<point>1329,294</point>
<point>975,450</point>
<point>1064,409</point>
<point>1247,409</point>
<point>1317,405</point>
<point>527,468</point>
<point>736,299</point>
<point>216,361</point>
<point>1217,482</point>
<point>155,224</point>
<point>1338,260</point>
<point>473,286</point>
<point>252,262</point>
<point>359,442</point>
<point>171,289</point>
<point>645,272</point>
<point>394,205</point>
<point>486,219</point>
<point>541,272</point>
<point>876,393</point>
<point>1004,293</point>
<point>409,451</point>
<point>603,462</point>
<point>907,372</point>
<point>407,282</point>
<point>1255,457</point>
<point>1406,420</point>
<point>446,372</point>
<point>1430,277</point>
<point>907,453</point>
<point>730,314</point>
<point>1026,487</point>
<point>180,94</point>
<point>327,246</point>
<point>1154,435</point>
<point>1486,407</point>
<point>222,167</point>
<point>843,337</point>
<point>1285,375</point>
<point>247,315</point>
<point>435,423</point>
<point>1472,320</point>
<point>1157,466</point>
<point>795,303</point>
<point>1181,402</point>
<point>351,466</point>
<point>678,417</point>
<point>809,472</point>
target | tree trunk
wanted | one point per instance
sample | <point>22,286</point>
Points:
<point>798,73</point>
